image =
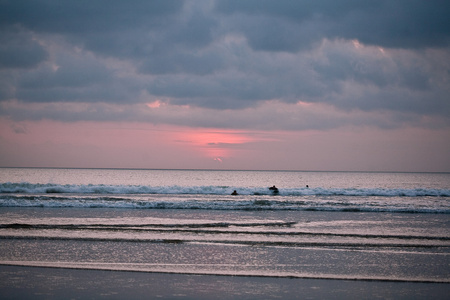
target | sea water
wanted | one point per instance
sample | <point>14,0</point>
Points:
<point>325,225</point>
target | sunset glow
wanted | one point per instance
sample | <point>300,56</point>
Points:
<point>216,144</point>
<point>154,104</point>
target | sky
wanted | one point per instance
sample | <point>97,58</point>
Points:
<point>318,85</point>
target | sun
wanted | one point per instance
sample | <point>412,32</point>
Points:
<point>218,144</point>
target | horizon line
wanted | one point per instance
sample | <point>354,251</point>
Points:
<point>226,170</point>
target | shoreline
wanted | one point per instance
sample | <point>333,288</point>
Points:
<point>19,282</point>
<point>105,268</point>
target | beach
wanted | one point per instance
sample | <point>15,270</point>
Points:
<point>49,283</point>
<point>159,234</point>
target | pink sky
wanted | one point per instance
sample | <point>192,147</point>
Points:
<point>140,145</point>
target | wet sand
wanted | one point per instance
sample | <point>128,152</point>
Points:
<point>50,283</point>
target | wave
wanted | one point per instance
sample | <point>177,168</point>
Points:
<point>303,244</point>
<point>259,229</point>
<point>192,269</point>
<point>32,188</point>
<point>247,203</point>
<point>420,200</point>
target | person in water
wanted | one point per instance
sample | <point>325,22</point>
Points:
<point>234,193</point>
<point>274,189</point>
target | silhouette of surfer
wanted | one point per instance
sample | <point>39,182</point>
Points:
<point>274,189</point>
<point>234,193</point>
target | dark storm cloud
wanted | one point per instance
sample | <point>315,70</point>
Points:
<point>366,56</point>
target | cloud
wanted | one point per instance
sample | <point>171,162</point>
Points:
<point>83,17</point>
<point>19,128</point>
<point>397,24</point>
<point>227,64</point>
<point>18,49</point>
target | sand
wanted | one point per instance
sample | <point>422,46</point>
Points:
<point>50,283</point>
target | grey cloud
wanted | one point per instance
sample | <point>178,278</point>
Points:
<point>108,93</point>
<point>7,85</point>
<point>246,79</point>
<point>274,34</point>
<point>178,34</point>
<point>75,78</point>
<point>207,55</point>
<point>19,128</point>
<point>81,17</point>
<point>398,24</point>
<point>219,93</point>
<point>399,80</point>
<point>373,67</point>
<point>19,50</point>
<point>68,71</point>
<point>183,62</point>
<point>176,46</point>
<point>195,31</point>
<point>272,116</point>
<point>109,27</point>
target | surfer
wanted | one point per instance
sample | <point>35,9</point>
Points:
<point>234,193</point>
<point>274,189</point>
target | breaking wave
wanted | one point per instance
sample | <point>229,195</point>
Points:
<point>30,188</point>
<point>420,200</point>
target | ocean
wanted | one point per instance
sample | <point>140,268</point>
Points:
<point>340,226</point>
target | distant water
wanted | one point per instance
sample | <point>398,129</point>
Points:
<point>335,225</point>
<point>187,189</point>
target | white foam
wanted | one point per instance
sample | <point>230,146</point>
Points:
<point>28,188</point>
<point>420,200</point>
